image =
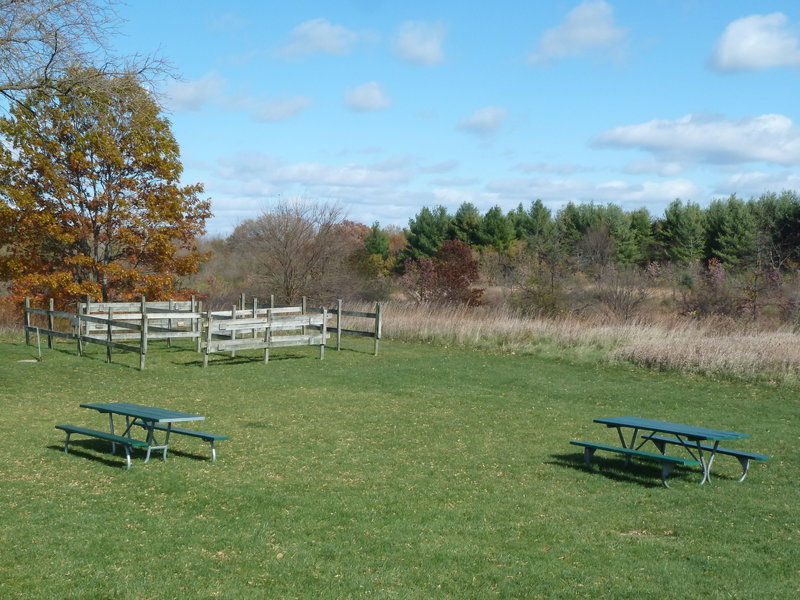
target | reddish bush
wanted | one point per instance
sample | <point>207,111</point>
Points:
<point>448,277</point>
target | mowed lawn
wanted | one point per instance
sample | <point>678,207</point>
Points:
<point>424,472</point>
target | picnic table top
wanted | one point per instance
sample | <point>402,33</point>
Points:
<point>146,413</point>
<point>689,431</point>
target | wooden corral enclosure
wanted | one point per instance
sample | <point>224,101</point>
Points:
<point>130,326</point>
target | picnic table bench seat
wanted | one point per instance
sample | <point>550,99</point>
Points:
<point>211,438</point>
<point>744,457</point>
<point>667,462</point>
<point>125,442</point>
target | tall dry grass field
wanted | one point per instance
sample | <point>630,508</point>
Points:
<point>717,347</point>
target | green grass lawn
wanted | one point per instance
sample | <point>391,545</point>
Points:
<point>424,472</point>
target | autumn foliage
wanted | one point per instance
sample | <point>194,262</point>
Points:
<point>90,197</point>
<point>448,277</point>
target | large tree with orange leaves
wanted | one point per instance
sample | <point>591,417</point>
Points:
<point>90,196</point>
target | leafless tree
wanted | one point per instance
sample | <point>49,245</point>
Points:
<point>42,41</point>
<point>299,247</point>
<point>622,291</point>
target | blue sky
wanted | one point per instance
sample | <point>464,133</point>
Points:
<point>386,107</point>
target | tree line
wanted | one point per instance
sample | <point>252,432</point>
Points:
<point>763,231</point>
<point>730,257</point>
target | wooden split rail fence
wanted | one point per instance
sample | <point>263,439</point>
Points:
<point>279,327</point>
<point>120,325</point>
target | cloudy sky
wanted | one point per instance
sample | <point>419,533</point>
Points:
<point>386,106</point>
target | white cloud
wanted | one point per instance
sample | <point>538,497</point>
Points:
<point>280,109</point>
<point>622,193</point>
<point>367,97</point>
<point>757,42</point>
<point>454,182</point>
<point>211,90</point>
<point>712,139</point>
<point>193,95</point>
<point>420,43</point>
<point>256,170</point>
<point>350,175</point>
<point>439,168</point>
<point>754,183</point>
<point>319,36</point>
<point>453,198</point>
<point>663,168</point>
<point>484,121</point>
<point>552,168</point>
<point>588,27</point>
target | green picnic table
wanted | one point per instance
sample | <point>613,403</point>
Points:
<point>700,443</point>
<point>155,421</point>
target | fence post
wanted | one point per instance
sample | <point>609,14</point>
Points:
<point>208,337</point>
<point>233,331</point>
<point>339,324</point>
<point>79,328</point>
<point>143,339</point>
<point>198,324</point>
<point>171,307</point>
<point>50,322</point>
<point>26,321</point>
<point>109,335</point>
<point>303,306</point>
<point>378,318</point>
<point>324,333</point>
<point>267,332</point>
<point>255,313</point>
<point>272,300</point>
<point>85,324</point>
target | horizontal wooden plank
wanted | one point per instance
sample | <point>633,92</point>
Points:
<point>152,317</point>
<point>285,310</point>
<point>44,312</point>
<point>173,312</point>
<point>115,306</point>
<point>112,322</point>
<point>117,345</point>
<point>298,321</point>
<point>241,323</point>
<point>240,344</point>
<point>361,333</point>
<point>353,313</point>
<point>296,340</point>
<point>172,316</point>
<point>136,306</point>
<point>167,330</point>
<point>172,335</point>
<point>150,335</point>
<point>59,334</point>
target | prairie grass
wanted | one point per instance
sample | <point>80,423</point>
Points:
<point>713,346</point>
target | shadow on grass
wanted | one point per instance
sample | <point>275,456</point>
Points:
<point>100,452</point>
<point>221,361</point>
<point>97,357</point>
<point>644,474</point>
<point>87,448</point>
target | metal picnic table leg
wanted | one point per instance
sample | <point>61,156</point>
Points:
<point>152,444</point>
<point>111,429</point>
<point>150,439</point>
<point>626,445</point>
<point>166,440</point>
<point>706,462</point>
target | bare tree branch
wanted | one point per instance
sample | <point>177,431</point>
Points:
<point>42,40</point>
